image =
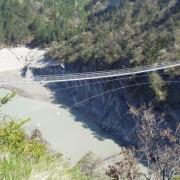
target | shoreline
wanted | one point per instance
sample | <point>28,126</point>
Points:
<point>61,127</point>
<point>77,119</point>
<point>12,62</point>
<point>22,92</point>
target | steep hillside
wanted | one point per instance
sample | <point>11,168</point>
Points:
<point>130,32</point>
<point>124,34</point>
<point>42,21</point>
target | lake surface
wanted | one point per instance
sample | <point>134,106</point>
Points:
<point>64,131</point>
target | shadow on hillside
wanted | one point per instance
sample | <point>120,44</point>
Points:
<point>65,100</point>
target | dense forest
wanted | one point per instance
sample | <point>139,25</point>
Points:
<point>133,32</point>
<point>42,21</point>
<point>125,34</point>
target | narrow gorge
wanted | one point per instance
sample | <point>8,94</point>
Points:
<point>111,108</point>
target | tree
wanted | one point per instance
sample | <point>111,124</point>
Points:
<point>158,143</point>
<point>159,86</point>
<point>126,168</point>
<point>158,149</point>
<point>4,100</point>
<point>90,166</point>
<point>1,27</point>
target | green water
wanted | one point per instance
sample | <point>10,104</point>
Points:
<point>64,131</point>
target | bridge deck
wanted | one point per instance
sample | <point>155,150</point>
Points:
<point>93,75</point>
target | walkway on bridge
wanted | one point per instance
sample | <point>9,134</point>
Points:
<point>93,75</point>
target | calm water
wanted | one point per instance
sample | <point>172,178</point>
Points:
<point>64,131</point>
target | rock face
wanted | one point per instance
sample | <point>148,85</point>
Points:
<point>105,99</point>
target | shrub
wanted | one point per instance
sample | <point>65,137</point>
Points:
<point>159,86</point>
<point>14,139</point>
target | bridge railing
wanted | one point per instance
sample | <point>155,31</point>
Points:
<point>93,75</point>
<point>98,74</point>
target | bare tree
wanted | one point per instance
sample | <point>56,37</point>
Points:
<point>158,143</point>
<point>126,168</point>
<point>158,148</point>
<point>91,166</point>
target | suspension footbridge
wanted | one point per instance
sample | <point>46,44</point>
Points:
<point>92,75</point>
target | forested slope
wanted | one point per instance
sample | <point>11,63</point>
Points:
<point>133,32</point>
<point>126,33</point>
<point>42,21</point>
